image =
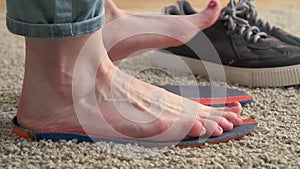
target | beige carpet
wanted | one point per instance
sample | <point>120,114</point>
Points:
<point>275,144</point>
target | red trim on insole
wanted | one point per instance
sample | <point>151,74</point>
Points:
<point>22,133</point>
<point>249,121</point>
<point>214,101</point>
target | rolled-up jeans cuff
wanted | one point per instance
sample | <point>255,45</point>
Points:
<point>56,30</point>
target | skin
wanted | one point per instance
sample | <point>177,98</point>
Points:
<point>183,28</point>
<point>92,96</point>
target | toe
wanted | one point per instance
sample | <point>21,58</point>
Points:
<point>222,122</point>
<point>234,107</point>
<point>197,130</point>
<point>235,119</point>
<point>209,16</point>
<point>212,127</point>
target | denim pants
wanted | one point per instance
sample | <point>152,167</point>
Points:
<point>54,18</point>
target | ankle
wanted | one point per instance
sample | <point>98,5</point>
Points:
<point>49,70</point>
<point>112,12</point>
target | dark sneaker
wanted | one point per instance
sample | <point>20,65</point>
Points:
<point>246,55</point>
<point>246,10</point>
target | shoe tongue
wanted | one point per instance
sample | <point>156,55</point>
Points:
<point>242,8</point>
<point>185,8</point>
<point>231,13</point>
<point>246,9</point>
<point>172,10</point>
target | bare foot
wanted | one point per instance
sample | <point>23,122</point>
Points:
<point>56,97</point>
<point>152,31</point>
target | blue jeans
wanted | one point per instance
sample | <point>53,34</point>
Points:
<point>54,18</point>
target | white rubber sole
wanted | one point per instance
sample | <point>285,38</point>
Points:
<point>263,77</point>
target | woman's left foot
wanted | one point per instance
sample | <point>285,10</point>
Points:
<point>126,33</point>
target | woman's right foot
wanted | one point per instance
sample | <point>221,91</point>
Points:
<point>115,106</point>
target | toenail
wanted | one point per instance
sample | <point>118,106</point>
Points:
<point>203,131</point>
<point>212,4</point>
<point>231,124</point>
<point>220,128</point>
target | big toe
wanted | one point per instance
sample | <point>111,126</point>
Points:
<point>209,16</point>
<point>234,107</point>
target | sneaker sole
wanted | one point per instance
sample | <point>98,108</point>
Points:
<point>263,77</point>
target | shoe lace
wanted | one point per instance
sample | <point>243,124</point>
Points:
<point>242,26</point>
<point>247,7</point>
